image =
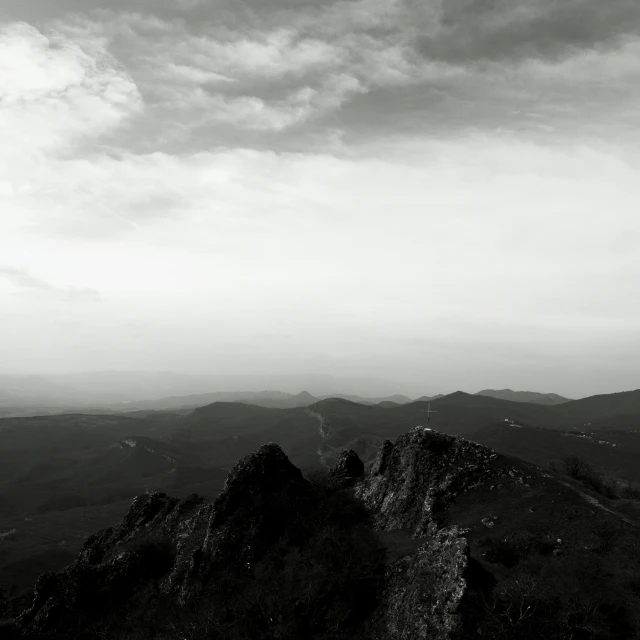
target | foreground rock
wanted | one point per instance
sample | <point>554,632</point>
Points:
<point>440,540</point>
<point>413,480</point>
<point>166,546</point>
<point>408,484</point>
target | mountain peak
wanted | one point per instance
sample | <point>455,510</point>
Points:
<point>423,471</point>
<point>428,544</point>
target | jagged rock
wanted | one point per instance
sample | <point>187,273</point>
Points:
<point>420,475</point>
<point>348,466</point>
<point>409,483</point>
<point>423,590</point>
<point>167,546</point>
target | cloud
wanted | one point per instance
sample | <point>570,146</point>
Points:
<point>54,94</point>
<point>260,79</point>
<point>501,234</point>
<point>23,279</point>
<point>281,69</point>
<point>501,29</point>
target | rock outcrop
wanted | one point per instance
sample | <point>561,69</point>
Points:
<point>170,548</point>
<point>348,467</point>
<point>423,590</point>
<point>408,484</point>
<point>413,480</point>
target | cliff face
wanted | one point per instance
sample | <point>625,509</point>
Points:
<point>399,552</point>
<point>413,480</point>
<point>408,484</point>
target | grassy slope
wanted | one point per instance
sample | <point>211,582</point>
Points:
<point>596,562</point>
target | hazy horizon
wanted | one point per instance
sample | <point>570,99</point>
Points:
<point>439,194</point>
<point>157,384</point>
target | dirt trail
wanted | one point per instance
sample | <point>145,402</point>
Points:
<point>321,427</point>
<point>596,503</point>
<point>324,432</point>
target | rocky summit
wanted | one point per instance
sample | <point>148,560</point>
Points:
<point>399,551</point>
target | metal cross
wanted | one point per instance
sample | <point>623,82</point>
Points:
<point>428,411</point>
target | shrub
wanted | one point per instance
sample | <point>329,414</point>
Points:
<point>580,470</point>
<point>629,492</point>
<point>563,598</point>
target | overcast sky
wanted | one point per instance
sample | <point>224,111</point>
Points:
<point>445,193</point>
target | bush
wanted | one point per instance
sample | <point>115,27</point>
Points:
<point>629,492</point>
<point>564,598</point>
<point>578,469</point>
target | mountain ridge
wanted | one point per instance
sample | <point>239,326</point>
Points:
<point>524,396</point>
<point>456,525</point>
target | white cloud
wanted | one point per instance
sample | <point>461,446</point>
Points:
<point>53,94</point>
<point>468,239</point>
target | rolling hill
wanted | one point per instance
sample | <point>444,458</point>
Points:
<point>524,396</point>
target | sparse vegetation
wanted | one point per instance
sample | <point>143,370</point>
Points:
<point>559,597</point>
<point>576,468</point>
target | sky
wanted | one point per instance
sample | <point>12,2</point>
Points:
<point>441,193</point>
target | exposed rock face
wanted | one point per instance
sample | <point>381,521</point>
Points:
<point>157,540</point>
<point>409,483</point>
<point>349,466</point>
<point>414,479</point>
<point>166,547</point>
<point>423,590</point>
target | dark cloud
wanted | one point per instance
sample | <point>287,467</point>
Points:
<point>267,73</point>
<point>494,29</point>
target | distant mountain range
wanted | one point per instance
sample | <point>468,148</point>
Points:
<point>524,396</point>
<point>270,399</point>
<point>109,391</point>
<point>109,387</point>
